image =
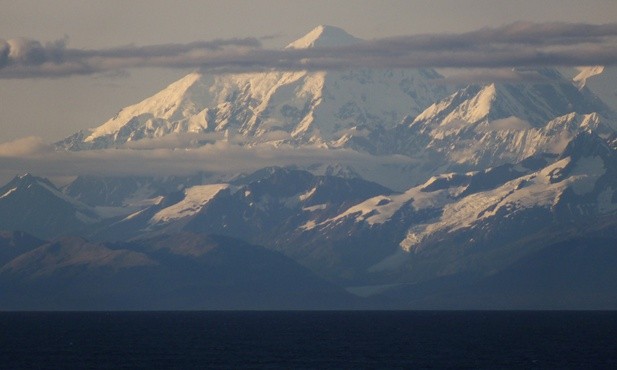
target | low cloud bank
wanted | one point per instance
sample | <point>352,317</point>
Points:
<point>34,156</point>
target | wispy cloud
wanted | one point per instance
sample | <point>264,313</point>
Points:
<point>27,146</point>
<point>24,58</point>
<point>164,157</point>
<point>490,75</point>
<point>515,45</point>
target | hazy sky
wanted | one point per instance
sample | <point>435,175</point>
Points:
<point>55,108</point>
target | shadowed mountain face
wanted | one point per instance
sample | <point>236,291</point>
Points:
<point>15,243</point>
<point>171,272</point>
<point>575,274</point>
<point>35,205</point>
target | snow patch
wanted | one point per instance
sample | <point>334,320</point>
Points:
<point>133,215</point>
<point>110,212</point>
<point>8,193</point>
<point>586,72</point>
<point>539,189</point>
<point>309,225</point>
<point>314,208</point>
<point>380,209</point>
<point>195,198</point>
<point>307,195</point>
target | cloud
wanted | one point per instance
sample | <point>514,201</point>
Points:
<point>521,44</point>
<point>455,124</point>
<point>24,147</point>
<point>510,123</point>
<point>175,141</point>
<point>24,58</point>
<point>163,158</point>
<point>488,75</point>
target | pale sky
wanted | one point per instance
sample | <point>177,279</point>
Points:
<point>55,108</point>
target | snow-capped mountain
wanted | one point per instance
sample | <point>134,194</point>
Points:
<point>534,102</point>
<point>482,126</point>
<point>263,208</point>
<point>324,36</point>
<point>600,80</point>
<point>32,204</point>
<point>576,187</point>
<point>455,215</point>
<point>348,228</point>
<point>291,106</point>
<point>129,191</point>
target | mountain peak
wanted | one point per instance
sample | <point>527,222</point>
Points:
<point>586,72</point>
<point>537,103</point>
<point>27,176</point>
<point>27,179</point>
<point>587,144</point>
<point>324,36</point>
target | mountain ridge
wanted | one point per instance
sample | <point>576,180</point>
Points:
<point>299,107</point>
<point>71,273</point>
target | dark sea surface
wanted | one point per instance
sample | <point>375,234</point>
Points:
<point>317,340</point>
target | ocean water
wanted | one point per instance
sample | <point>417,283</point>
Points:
<point>314,340</point>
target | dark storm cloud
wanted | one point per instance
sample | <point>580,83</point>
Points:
<point>519,44</point>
